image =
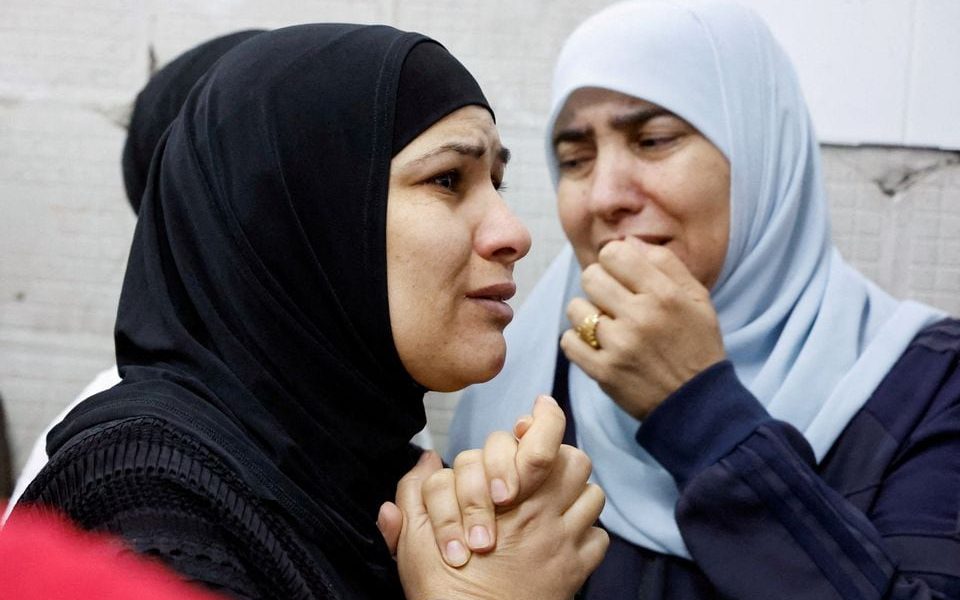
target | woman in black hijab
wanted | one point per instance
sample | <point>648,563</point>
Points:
<point>277,330</point>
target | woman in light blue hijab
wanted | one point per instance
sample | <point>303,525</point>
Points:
<point>761,416</point>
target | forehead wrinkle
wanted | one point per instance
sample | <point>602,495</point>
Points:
<point>623,122</point>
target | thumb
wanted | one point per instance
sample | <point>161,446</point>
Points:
<point>390,522</point>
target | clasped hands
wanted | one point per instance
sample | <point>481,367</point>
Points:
<point>513,520</point>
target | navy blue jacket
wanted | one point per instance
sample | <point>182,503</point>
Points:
<point>879,517</point>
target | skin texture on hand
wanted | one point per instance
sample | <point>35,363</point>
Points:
<point>546,545</point>
<point>462,503</point>
<point>658,328</point>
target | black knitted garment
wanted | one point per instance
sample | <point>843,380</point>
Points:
<point>171,498</point>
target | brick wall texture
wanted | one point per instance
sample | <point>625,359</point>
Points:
<point>69,71</point>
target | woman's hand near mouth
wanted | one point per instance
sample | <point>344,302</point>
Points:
<point>657,330</point>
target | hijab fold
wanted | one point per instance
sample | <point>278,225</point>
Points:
<point>808,335</point>
<point>159,103</point>
<point>254,311</point>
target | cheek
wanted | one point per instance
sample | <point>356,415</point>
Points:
<point>706,215</point>
<point>425,273</point>
<point>428,259</point>
<point>577,221</point>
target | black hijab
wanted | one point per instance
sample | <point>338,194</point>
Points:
<point>254,309</point>
<point>158,103</point>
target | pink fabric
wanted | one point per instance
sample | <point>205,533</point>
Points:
<point>44,557</point>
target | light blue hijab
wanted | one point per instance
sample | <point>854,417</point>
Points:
<point>808,335</point>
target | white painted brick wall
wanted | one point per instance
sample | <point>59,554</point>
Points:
<point>68,70</point>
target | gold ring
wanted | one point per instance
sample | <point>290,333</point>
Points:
<point>587,330</point>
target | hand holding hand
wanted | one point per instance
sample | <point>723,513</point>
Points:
<point>546,545</point>
<point>657,329</point>
<point>462,502</point>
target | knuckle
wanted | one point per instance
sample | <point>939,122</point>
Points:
<point>538,459</point>
<point>475,511</point>
<point>467,457</point>
<point>591,273</point>
<point>446,526</point>
<point>438,482</point>
<point>671,297</point>
<point>499,437</point>
<point>578,460</point>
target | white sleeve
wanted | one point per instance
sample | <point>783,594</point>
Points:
<point>38,455</point>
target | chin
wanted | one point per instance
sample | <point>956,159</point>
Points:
<point>481,363</point>
<point>493,366</point>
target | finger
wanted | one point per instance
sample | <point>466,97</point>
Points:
<point>522,425</point>
<point>577,312</point>
<point>627,262</point>
<point>409,494</point>
<point>593,548</point>
<point>500,467</point>
<point>476,506</point>
<point>390,522</point>
<point>606,292</point>
<point>416,522</point>
<point>580,353</point>
<point>568,480</point>
<point>443,509</point>
<point>585,510</point>
<point>668,262</point>
<point>538,449</point>
<point>579,309</point>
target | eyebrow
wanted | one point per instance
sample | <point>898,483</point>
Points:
<point>465,149</point>
<point>628,121</point>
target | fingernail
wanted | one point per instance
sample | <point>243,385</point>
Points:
<point>498,491</point>
<point>456,554</point>
<point>479,537</point>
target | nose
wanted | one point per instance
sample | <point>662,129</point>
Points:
<point>502,237</point>
<point>615,188</point>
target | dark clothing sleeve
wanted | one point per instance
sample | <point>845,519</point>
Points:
<point>199,550</point>
<point>762,520</point>
<point>169,498</point>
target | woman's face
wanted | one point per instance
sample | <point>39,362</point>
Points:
<point>631,168</point>
<point>451,246</point>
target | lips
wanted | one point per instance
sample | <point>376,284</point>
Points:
<point>500,292</point>
<point>648,238</point>
<point>493,300</point>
